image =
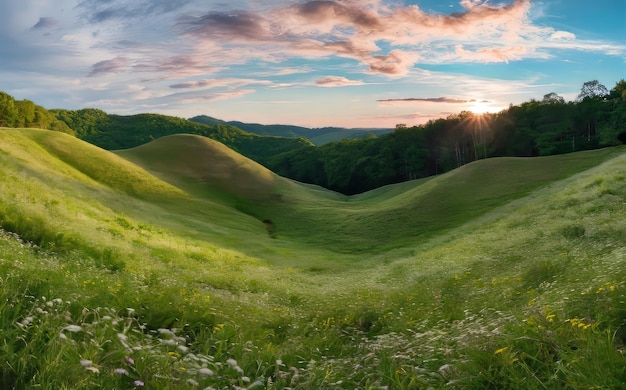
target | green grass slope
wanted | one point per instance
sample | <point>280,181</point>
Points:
<point>123,275</point>
<point>381,219</point>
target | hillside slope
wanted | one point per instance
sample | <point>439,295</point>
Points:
<point>377,220</point>
<point>159,274</point>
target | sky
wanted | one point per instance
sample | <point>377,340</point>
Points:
<point>313,63</point>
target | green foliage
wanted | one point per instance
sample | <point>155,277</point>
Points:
<point>116,132</point>
<point>24,113</point>
<point>534,128</point>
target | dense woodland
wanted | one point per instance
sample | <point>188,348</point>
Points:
<point>597,118</point>
<point>24,113</point>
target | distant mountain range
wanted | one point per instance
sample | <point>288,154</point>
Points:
<point>317,136</point>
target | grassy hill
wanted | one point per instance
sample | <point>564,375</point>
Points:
<point>152,267</point>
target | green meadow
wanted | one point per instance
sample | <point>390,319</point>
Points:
<point>180,264</point>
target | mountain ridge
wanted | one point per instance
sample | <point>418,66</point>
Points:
<point>318,136</point>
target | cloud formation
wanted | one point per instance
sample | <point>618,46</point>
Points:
<point>336,81</point>
<point>357,29</point>
<point>430,100</point>
<point>114,65</point>
<point>45,23</point>
<point>179,55</point>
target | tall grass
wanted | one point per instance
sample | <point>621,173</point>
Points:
<point>101,288</point>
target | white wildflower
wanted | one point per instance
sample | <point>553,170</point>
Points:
<point>26,321</point>
<point>192,382</point>
<point>205,371</point>
<point>73,328</point>
<point>232,362</point>
<point>121,371</point>
<point>165,331</point>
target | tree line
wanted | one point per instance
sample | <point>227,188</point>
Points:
<point>597,118</point>
<point>24,113</point>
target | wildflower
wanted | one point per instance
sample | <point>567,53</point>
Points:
<point>205,371</point>
<point>232,362</point>
<point>129,360</point>
<point>165,331</point>
<point>121,371</point>
<point>192,382</point>
<point>499,351</point>
<point>88,366</point>
<point>26,321</point>
<point>73,328</point>
<point>138,383</point>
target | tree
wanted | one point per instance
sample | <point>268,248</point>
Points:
<point>619,91</point>
<point>26,113</point>
<point>8,111</point>
<point>552,98</point>
<point>592,89</point>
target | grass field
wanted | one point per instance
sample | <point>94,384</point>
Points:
<point>158,267</point>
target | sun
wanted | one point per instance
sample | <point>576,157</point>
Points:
<point>480,107</point>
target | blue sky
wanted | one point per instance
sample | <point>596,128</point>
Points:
<point>350,63</point>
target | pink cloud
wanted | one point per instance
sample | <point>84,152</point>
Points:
<point>115,65</point>
<point>385,39</point>
<point>220,82</point>
<point>491,54</point>
<point>213,97</point>
<point>336,81</point>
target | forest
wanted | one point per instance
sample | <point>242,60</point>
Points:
<point>595,119</point>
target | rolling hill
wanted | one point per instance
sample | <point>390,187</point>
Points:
<point>153,266</point>
<point>376,219</point>
<point>113,132</point>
